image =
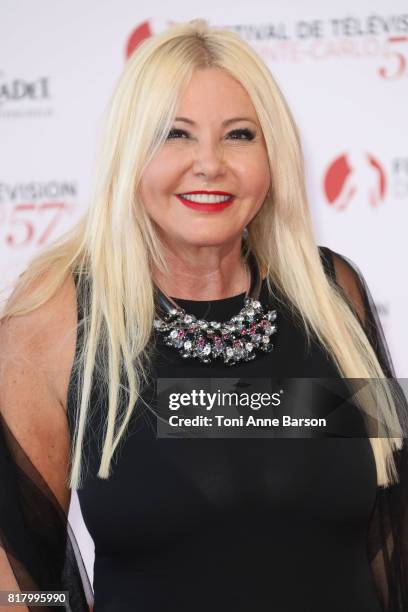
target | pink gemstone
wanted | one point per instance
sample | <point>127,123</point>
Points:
<point>190,330</point>
<point>217,340</point>
<point>181,333</point>
<point>265,323</point>
<point>201,342</point>
<point>243,331</point>
<point>226,336</point>
<point>237,343</point>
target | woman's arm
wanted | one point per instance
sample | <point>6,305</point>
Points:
<point>37,352</point>
<point>36,357</point>
<point>387,542</point>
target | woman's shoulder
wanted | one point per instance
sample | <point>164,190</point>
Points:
<point>39,344</point>
<point>347,276</point>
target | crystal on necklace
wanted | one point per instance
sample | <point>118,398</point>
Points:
<point>189,319</point>
<point>271,316</point>
<point>238,318</point>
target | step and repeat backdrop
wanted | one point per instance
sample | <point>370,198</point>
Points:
<point>343,67</point>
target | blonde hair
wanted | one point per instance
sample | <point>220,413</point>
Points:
<point>116,238</point>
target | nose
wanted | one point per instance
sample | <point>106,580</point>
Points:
<point>208,158</point>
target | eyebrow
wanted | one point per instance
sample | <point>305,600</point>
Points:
<point>224,123</point>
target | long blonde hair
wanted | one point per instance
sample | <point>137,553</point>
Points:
<point>115,245</point>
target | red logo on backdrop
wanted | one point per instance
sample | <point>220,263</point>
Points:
<point>144,30</point>
<point>138,35</point>
<point>350,177</point>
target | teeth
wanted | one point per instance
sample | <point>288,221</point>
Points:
<point>204,198</point>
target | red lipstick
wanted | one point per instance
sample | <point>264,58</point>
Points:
<point>205,206</point>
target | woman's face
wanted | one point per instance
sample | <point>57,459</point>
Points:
<point>215,144</point>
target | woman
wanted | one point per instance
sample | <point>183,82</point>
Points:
<point>200,202</point>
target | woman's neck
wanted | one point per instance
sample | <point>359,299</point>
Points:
<point>204,284</point>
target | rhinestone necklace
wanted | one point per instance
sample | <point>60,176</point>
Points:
<point>242,338</point>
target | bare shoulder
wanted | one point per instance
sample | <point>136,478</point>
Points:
<point>36,356</point>
<point>44,340</point>
<point>348,279</point>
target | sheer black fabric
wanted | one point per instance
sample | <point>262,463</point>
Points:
<point>35,533</point>
<point>387,541</point>
<point>43,554</point>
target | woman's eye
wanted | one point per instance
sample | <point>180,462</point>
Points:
<point>243,134</point>
<point>239,134</point>
<point>175,133</point>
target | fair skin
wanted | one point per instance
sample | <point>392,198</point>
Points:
<point>203,249</point>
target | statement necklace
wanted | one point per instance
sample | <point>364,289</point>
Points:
<point>240,339</point>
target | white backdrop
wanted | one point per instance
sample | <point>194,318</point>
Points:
<point>343,66</point>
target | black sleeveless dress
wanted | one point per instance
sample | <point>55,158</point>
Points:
<point>243,524</point>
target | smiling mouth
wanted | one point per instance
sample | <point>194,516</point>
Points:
<point>206,198</point>
<point>206,202</point>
